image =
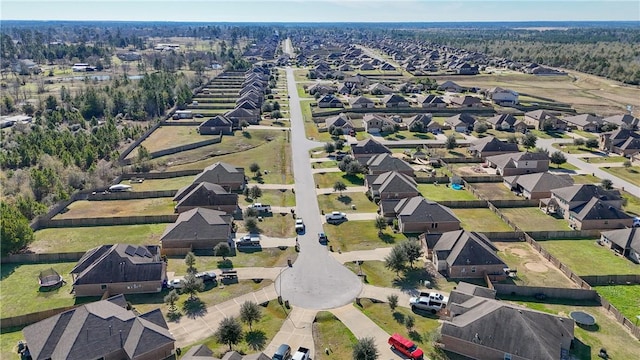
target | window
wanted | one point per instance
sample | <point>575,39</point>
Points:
<point>103,287</point>
<point>464,270</point>
<point>473,269</point>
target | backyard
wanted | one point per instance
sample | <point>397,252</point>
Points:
<point>480,220</point>
<point>602,261</point>
<point>82,209</point>
<point>84,238</point>
<point>346,202</point>
<point>624,297</point>
<point>175,183</point>
<point>359,235</point>
<point>443,192</point>
<point>494,191</point>
<point>533,219</point>
<point>166,137</point>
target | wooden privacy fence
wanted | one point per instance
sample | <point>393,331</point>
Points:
<point>107,221</point>
<point>35,258</point>
<point>31,318</point>
<point>129,195</point>
<point>600,280</point>
<point>161,175</point>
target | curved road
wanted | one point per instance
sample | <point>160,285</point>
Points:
<point>316,280</point>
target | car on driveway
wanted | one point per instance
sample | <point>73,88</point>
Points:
<point>336,217</point>
<point>299,225</point>
<point>432,302</point>
<point>283,353</point>
<point>175,284</point>
<point>206,276</point>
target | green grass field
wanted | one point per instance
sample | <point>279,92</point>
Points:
<point>85,238</point>
<point>601,261</point>
<point>585,179</point>
<point>277,225</point>
<point>480,220</point>
<point>632,205</point>
<point>624,297</point>
<point>359,235</point>
<point>607,159</point>
<point>631,174</point>
<point>175,183</point>
<point>533,219</point>
<point>8,340</point>
<point>331,333</point>
<point>344,203</point>
<point>112,208</point>
<point>271,197</point>
<point>441,192</point>
<point>267,257</point>
<point>407,135</point>
<point>166,137</point>
<point>327,180</point>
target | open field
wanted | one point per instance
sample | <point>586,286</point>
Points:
<point>607,333</point>
<point>175,183</point>
<point>274,156</point>
<point>631,174</point>
<point>344,203</point>
<point>601,261</point>
<point>533,219</point>
<point>20,289</point>
<point>494,191</point>
<point>480,220</point>
<point>442,192</point>
<point>331,333</point>
<point>277,225</point>
<point>359,235</point>
<point>111,208</point>
<point>85,238</point>
<point>327,180</point>
<point>166,137</point>
<point>272,197</point>
<point>533,269</point>
<point>267,257</point>
<point>624,297</point>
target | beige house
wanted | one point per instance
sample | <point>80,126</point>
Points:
<point>463,254</point>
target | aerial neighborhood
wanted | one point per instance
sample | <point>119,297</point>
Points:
<point>257,191</point>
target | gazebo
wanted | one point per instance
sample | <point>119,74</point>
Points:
<point>49,279</point>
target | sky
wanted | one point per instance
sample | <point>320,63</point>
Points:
<point>321,10</point>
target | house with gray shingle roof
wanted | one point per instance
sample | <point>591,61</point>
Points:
<point>519,163</point>
<point>341,121</point>
<point>624,121</point>
<point>330,101</point>
<point>418,215</point>
<point>490,146</point>
<point>538,185</point>
<point>625,242</point>
<point>361,102</point>
<point>538,119</point>
<point>464,254</point>
<point>423,123</point>
<point>226,175</point>
<point>502,122</point>
<point>622,142</point>
<point>391,185</point>
<point>238,115</point>
<point>584,122</point>
<point>431,101</point>
<point>374,123</point>
<point>196,229</point>
<point>217,125</point>
<point>365,149</point>
<point>379,89</point>
<point>598,214</point>
<point>206,195</point>
<point>395,101</point>
<point>119,269</point>
<point>461,122</point>
<point>382,163</point>
<point>101,330</point>
<point>481,327</point>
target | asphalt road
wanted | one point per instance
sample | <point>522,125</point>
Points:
<point>316,280</point>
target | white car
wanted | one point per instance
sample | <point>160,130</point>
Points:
<point>336,216</point>
<point>175,284</point>
<point>299,225</point>
<point>432,302</point>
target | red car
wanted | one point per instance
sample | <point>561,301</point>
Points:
<point>406,347</point>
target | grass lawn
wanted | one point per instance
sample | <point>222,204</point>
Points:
<point>631,174</point>
<point>267,257</point>
<point>271,197</point>
<point>359,235</point>
<point>549,135</point>
<point>576,149</point>
<point>305,106</point>
<point>392,321</point>
<point>495,191</point>
<point>336,202</point>
<point>325,164</point>
<point>166,137</point>
<point>480,220</point>
<point>274,156</point>
<point>607,159</point>
<point>624,297</point>
<point>8,340</point>
<point>300,75</point>
<point>633,203</point>
<point>21,293</point>
<point>533,219</point>
<point>565,166</point>
<point>602,261</point>
<point>84,238</point>
<point>585,134</point>
<point>329,332</point>
<point>585,179</point>
<point>606,334</point>
<point>327,180</point>
<point>533,269</point>
<point>379,275</point>
<point>111,208</point>
<point>277,225</point>
<point>443,193</point>
<point>407,135</point>
<point>175,183</point>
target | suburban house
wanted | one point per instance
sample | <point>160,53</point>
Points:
<point>539,118</point>
<point>458,253</point>
<point>625,242</point>
<point>395,101</point>
<point>217,125</point>
<point>481,327</point>
<point>519,163</point>
<point>450,86</point>
<point>320,88</point>
<point>588,206</point>
<point>503,122</point>
<point>379,89</point>
<point>330,101</point>
<point>374,123</point>
<point>502,96</point>
<point>196,229</point>
<point>538,185</point>
<point>365,149</point>
<point>424,122</point>
<point>361,102</point>
<point>202,352</point>
<point>226,175</point>
<point>431,101</point>
<point>382,163</point>
<point>490,146</point>
<point>340,121</point>
<point>356,81</point>
<point>624,121</point>
<point>622,142</point>
<point>238,115</point>
<point>391,185</point>
<point>418,215</point>
<point>465,101</point>
<point>584,122</point>
<point>387,67</point>
<point>119,269</point>
<point>101,330</point>
<point>206,195</point>
<point>461,122</point>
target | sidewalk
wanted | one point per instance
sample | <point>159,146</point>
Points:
<point>365,255</point>
<point>296,331</point>
<point>350,189</point>
<point>271,186</point>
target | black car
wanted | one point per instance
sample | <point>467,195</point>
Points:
<point>198,115</point>
<point>206,276</point>
<point>283,353</point>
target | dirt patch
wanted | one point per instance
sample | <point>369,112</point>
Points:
<point>477,170</point>
<point>536,267</point>
<point>519,252</point>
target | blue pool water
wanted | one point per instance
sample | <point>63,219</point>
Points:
<point>456,186</point>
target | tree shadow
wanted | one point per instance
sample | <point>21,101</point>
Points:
<point>7,269</point>
<point>194,308</point>
<point>589,328</point>
<point>225,264</point>
<point>345,199</point>
<point>256,339</point>
<point>399,317</point>
<point>411,278</point>
<point>174,316</point>
<point>246,134</point>
<point>580,350</point>
<point>415,336</point>
<point>387,238</point>
<point>400,136</point>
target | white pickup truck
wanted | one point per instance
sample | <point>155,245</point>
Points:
<point>302,354</point>
<point>260,207</point>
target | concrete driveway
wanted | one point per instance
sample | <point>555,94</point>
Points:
<point>296,331</point>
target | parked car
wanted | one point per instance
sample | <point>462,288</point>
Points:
<point>406,347</point>
<point>175,284</point>
<point>299,225</point>
<point>336,217</point>
<point>249,240</point>
<point>206,276</point>
<point>283,353</point>
<point>432,302</point>
<point>260,207</point>
<point>198,116</point>
<point>322,237</point>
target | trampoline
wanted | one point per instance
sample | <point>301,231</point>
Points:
<point>49,279</point>
<point>456,186</point>
<point>582,318</point>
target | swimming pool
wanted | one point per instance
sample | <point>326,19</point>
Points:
<point>456,186</point>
